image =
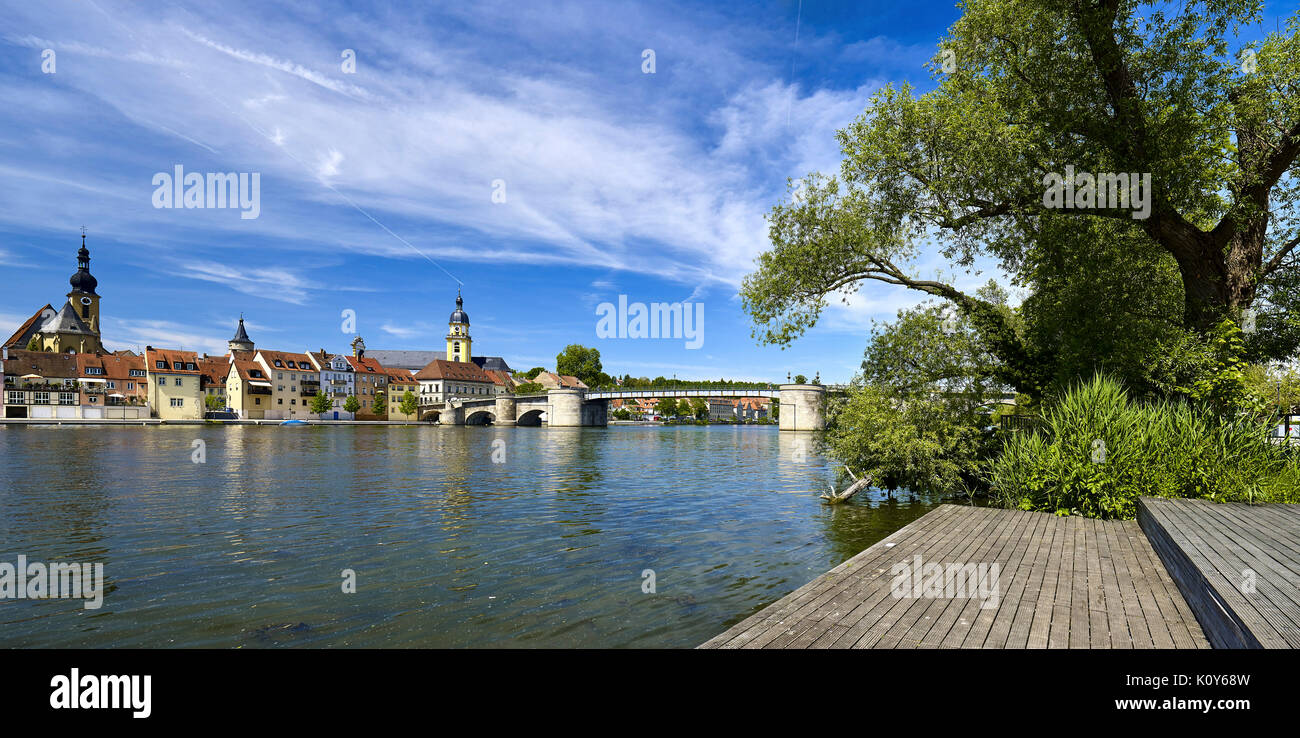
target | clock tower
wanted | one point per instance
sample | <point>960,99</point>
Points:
<point>458,340</point>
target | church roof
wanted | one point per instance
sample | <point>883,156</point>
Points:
<point>66,321</point>
<point>24,334</point>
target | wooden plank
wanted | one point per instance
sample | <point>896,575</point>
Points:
<point>1015,575</point>
<point>763,627</point>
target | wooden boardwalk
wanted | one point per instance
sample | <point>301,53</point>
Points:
<point>1237,565</point>
<point>1061,583</point>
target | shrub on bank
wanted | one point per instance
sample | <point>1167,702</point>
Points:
<point>1098,451</point>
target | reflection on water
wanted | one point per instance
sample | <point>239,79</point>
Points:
<point>449,548</point>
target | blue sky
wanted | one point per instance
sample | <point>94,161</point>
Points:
<point>376,187</point>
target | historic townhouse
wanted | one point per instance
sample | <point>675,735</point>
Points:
<point>442,380</point>
<point>41,385</point>
<point>114,386</point>
<point>248,389</point>
<point>294,381</point>
<point>399,383</point>
<point>370,380</point>
<point>174,384</point>
<point>336,380</point>
<point>214,371</point>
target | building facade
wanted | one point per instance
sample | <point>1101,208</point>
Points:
<point>174,384</point>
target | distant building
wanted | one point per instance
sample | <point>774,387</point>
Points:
<point>444,380</point>
<point>551,380</point>
<point>335,378</point>
<point>175,386</point>
<point>293,377</point>
<point>41,385</point>
<point>399,383</point>
<point>112,381</point>
<point>249,390</point>
<point>370,379</point>
<point>74,326</point>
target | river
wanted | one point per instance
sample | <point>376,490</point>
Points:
<point>456,536</point>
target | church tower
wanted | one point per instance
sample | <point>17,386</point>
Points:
<point>83,298</point>
<point>241,341</point>
<point>458,340</point>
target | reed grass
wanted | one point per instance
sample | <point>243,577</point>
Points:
<point>1098,450</point>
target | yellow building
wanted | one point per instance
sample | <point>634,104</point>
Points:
<point>248,389</point>
<point>458,340</point>
<point>399,383</point>
<point>175,387</point>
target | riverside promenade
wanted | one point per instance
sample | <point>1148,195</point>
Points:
<point>1062,582</point>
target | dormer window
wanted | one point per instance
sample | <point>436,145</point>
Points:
<point>177,365</point>
<point>278,363</point>
<point>161,364</point>
<point>189,366</point>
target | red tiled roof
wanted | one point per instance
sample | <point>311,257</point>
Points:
<point>460,371</point>
<point>170,357</point>
<point>44,364</point>
<point>114,366</point>
<point>301,362</point>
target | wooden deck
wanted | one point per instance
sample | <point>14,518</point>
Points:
<point>1062,583</point>
<point>1237,565</point>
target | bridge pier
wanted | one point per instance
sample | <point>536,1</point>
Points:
<point>566,408</point>
<point>802,407</point>
<point>505,410</point>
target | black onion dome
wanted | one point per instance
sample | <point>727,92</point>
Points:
<point>83,281</point>
<point>459,316</point>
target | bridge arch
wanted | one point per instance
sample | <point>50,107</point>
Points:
<point>432,416</point>
<point>480,417</point>
<point>531,417</point>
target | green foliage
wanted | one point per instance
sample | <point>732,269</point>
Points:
<point>1224,387</point>
<point>621,413</point>
<point>1099,450</point>
<point>700,408</point>
<point>529,388</point>
<point>918,443</point>
<point>320,403</point>
<point>351,404</point>
<point>213,402</point>
<point>532,373</point>
<point>581,362</point>
<point>34,344</point>
<point>410,404</point>
<point>666,407</point>
<point>380,405</point>
<point>800,379</point>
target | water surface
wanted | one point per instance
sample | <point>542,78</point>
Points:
<point>450,549</point>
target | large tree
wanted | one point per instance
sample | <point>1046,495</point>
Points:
<point>581,362</point>
<point>1029,88</point>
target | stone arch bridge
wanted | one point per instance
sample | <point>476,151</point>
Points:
<point>801,406</point>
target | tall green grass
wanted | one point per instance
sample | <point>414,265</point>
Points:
<point>1098,451</point>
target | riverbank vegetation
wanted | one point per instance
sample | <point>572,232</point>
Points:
<point>1165,327</point>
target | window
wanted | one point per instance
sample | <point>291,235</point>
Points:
<point>179,383</point>
<point>93,398</point>
<point>279,388</point>
<point>279,375</point>
<point>112,384</point>
<point>293,401</point>
<point>94,370</point>
<point>279,400</point>
<point>41,398</point>
<point>257,401</point>
<point>278,363</point>
<point>137,373</point>
<point>177,365</point>
<point>160,364</point>
<point>189,366</point>
<point>162,381</point>
<point>178,402</point>
<point>130,385</point>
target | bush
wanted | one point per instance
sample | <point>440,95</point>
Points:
<point>1098,451</point>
